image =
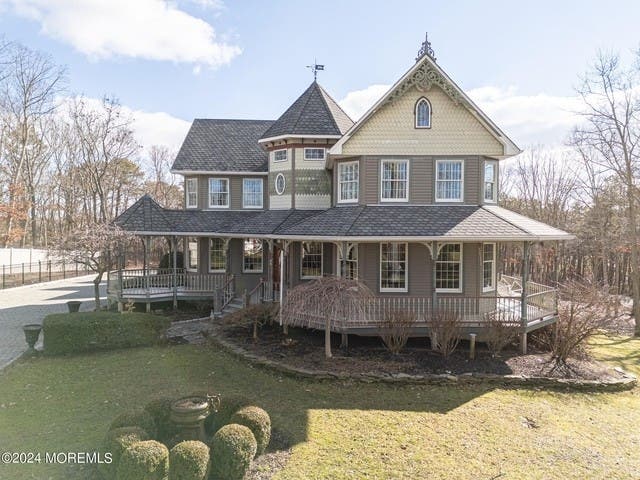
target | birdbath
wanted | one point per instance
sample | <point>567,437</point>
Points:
<point>31,334</point>
<point>189,414</point>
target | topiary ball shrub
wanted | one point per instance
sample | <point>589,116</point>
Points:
<point>148,460</point>
<point>136,418</point>
<point>116,442</point>
<point>160,410</point>
<point>229,404</point>
<point>256,420</point>
<point>232,449</point>
<point>189,460</point>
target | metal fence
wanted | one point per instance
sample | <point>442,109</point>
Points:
<point>17,274</point>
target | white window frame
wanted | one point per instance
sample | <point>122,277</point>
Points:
<point>244,192</point>
<point>188,192</point>
<point>224,251</point>
<point>492,287</point>
<point>382,180</point>
<point>494,198</point>
<point>188,266</point>
<point>226,181</point>
<point>420,101</point>
<point>357,182</point>
<point>244,269</point>
<point>313,159</point>
<point>310,277</point>
<point>460,288</point>
<point>284,184</point>
<point>275,155</point>
<point>450,200</point>
<point>404,289</point>
<point>350,248</point>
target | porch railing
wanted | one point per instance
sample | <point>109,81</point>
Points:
<point>264,292</point>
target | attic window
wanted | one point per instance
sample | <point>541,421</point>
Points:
<point>423,113</point>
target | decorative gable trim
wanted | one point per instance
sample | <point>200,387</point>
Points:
<point>423,76</point>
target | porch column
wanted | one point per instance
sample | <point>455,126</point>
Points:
<point>523,298</point>
<point>174,280</point>
<point>343,263</point>
<point>269,272</point>
<point>283,251</point>
<point>145,270</point>
<point>434,294</point>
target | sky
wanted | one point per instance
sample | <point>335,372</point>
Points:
<point>169,62</point>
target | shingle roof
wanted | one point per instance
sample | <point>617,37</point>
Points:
<point>313,113</point>
<point>223,145</point>
<point>454,222</point>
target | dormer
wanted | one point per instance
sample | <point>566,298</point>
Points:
<point>298,143</point>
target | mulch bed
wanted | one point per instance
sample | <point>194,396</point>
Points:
<point>304,349</point>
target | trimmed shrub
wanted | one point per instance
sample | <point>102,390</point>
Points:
<point>232,449</point>
<point>116,442</point>
<point>136,418</point>
<point>148,460</point>
<point>229,404</point>
<point>160,410</point>
<point>189,461</point>
<point>258,421</point>
<point>66,333</point>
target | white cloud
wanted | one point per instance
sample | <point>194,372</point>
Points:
<point>356,103</point>
<point>527,119</point>
<point>149,29</point>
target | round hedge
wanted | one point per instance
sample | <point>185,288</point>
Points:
<point>160,411</point>
<point>256,420</point>
<point>136,418</point>
<point>116,442</point>
<point>189,460</point>
<point>148,460</point>
<point>232,449</point>
<point>229,404</point>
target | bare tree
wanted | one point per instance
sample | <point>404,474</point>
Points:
<point>31,82</point>
<point>162,185</point>
<point>610,134</point>
<point>98,246</point>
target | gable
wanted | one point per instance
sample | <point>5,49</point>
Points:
<point>454,129</point>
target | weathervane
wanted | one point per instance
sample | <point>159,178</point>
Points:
<point>315,68</point>
<point>426,49</point>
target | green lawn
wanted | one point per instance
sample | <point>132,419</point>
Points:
<point>340,430</point>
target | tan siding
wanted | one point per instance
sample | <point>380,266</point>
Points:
<point>454,130</point>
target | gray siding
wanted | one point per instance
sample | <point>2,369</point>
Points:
<point>421,179</point>
<point>235,190</point>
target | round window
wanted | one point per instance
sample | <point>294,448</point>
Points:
<point>280,183</point>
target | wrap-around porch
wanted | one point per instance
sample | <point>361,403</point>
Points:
<point>221,270</point>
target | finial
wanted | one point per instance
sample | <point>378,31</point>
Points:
<point>315,68</point>
<point>425,49</point>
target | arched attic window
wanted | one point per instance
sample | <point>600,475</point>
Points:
<point>423,113</point>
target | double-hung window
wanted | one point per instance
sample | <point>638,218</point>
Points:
<point>218,192</point>
<point>393,267</point>
<point>311,260</point>
<point>191,187</point>
<point>449,180</point>
<point>449,268</point>
<point>217,255</point>
<point>394,175</point>
<point>280,155</point>
<point>490,174</point>
<point>252,255</point>
<point>192,254</point>
<point>252,193</point>
<point>314,153</point>
<point>350,262</point>
<point>348,180</point>
<point>488,267</point>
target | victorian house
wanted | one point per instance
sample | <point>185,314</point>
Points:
<point>404,200</point>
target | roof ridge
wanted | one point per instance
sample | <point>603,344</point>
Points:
<point>295,125</point>
<point>362,209</point>
<point>495,214</point>
<point>326,94</point>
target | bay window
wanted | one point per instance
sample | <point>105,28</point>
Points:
<point>490,174</point>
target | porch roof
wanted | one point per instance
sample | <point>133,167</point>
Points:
<point>344,223</point>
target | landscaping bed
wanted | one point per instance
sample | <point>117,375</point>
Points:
<point>304,349</point>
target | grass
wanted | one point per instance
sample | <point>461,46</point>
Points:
<point>340,430</point>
